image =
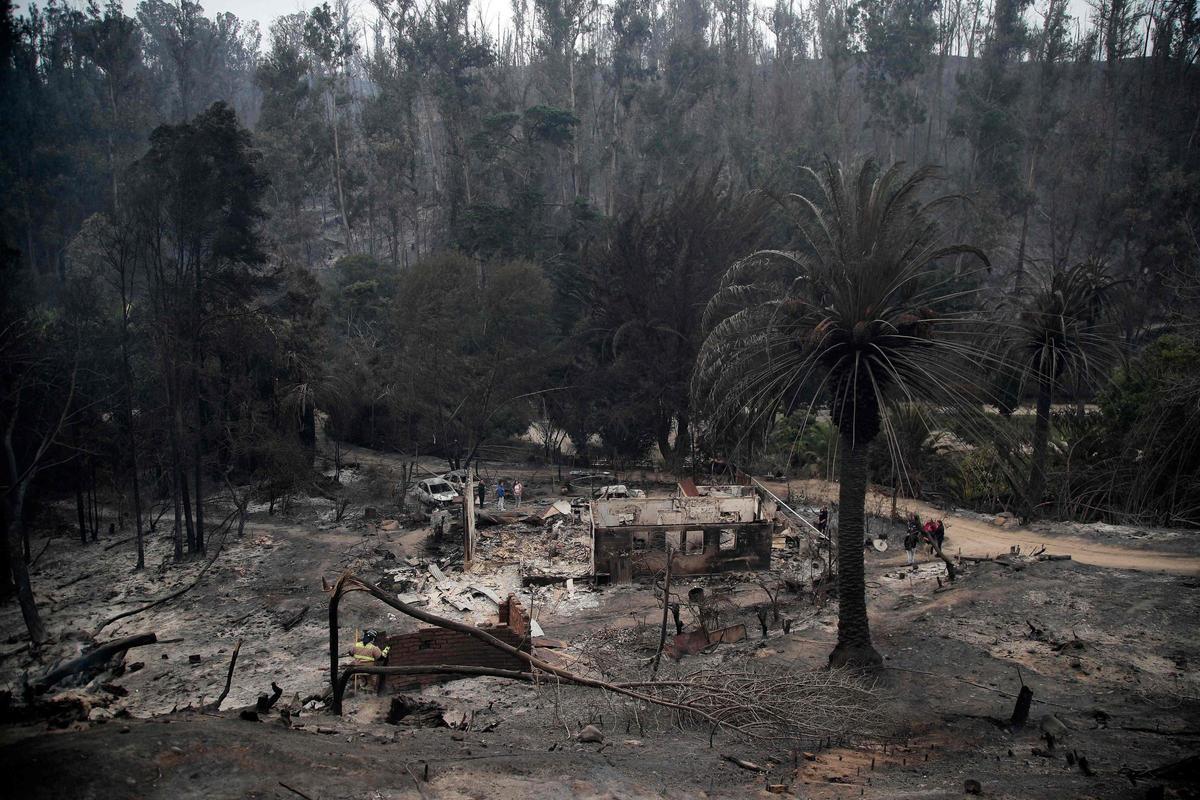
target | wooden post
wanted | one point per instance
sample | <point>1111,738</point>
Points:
<point>468,524</point>
<point>1024,699</point>
<point>334,599</point>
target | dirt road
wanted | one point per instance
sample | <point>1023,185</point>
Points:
<point>972,537</point>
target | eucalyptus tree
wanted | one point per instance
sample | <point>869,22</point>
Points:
<point>857,311</point>
<point>328,36</point>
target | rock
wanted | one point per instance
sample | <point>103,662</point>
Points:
<point>389,525</point>
<point>99,714</point>
<point>1054,726</point>
<point>590,734</point>
<point>972,786</point>
<point>194,658</point>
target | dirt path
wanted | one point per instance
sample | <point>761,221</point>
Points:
<point>971,537</point>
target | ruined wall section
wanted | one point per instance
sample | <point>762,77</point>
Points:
<point>675,511</point>
<point>637,551</point>
<point>709,534</point>
<point>441,646</point>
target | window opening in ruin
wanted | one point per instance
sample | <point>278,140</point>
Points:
<point>728,539</point>
<point>693,544</point>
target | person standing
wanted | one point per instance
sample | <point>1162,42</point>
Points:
<point>368,654</point>
<point>518,490</point>
<point>910,546</point>
<point>500,496</point>
<point>480,491</point>
<point>928,532</point>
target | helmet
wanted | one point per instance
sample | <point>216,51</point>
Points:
<point>370,635</point>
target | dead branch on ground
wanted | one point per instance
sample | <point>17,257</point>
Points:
<point>295,619</point>
<point>99,656</point>
<point>776,703</point>
<point>766,705</point>
<point>216,706</point>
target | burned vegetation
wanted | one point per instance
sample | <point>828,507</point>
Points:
<point>640,398</point>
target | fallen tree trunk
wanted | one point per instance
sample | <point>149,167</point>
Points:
<point>98,656</point>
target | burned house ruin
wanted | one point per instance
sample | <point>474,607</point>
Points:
<point>708,534</point>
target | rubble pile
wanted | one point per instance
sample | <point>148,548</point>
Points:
<point>512,555</point>
<point>561,548</point>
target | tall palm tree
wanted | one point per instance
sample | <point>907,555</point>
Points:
<point>1060,332</point>
<point>857,313</point>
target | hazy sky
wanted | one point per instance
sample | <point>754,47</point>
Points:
<point>496,13</point>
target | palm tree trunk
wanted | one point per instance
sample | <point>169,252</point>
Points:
<point>1041,441</point>
<point>854,647</point>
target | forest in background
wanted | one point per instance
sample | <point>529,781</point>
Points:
<point>410,234</point>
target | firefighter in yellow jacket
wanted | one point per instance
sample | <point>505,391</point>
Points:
<point>366,651</point>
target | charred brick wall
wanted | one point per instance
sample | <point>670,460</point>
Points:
<point>512,614</point>
<point>441,646</point>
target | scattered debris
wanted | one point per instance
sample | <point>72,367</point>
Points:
<point>750,765</point>
<point>697,641</point>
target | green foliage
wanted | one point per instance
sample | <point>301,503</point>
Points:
<point>981,481</point>
<point>897,37</point>
<point>1151,419</point>
<point>550,124</point>
<point>808,446</point>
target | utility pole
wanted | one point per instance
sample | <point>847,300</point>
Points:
<point>468,510</point>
